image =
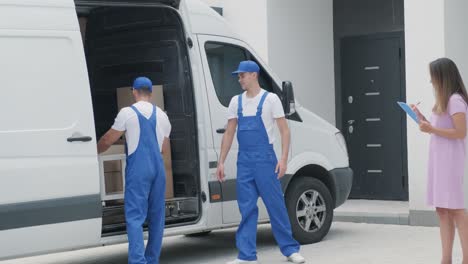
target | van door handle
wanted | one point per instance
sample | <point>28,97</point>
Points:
<point>220,130</point>
<point>82,139</point>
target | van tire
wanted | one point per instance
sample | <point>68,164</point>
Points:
<point>313,213</point>
<point>200,234</point>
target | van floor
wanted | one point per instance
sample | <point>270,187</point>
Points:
<point>177,212</point>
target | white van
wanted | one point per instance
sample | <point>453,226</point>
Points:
<point>62,62</point>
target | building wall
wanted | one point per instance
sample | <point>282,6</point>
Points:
<point>300,48</point>
<point>424,36</point>
<point>456,35</point>
<point>249,20</point>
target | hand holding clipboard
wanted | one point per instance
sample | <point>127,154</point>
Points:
<point>408,109</point>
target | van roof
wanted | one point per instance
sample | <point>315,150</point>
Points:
<point>202,19</point>
<point>205,20</point>
<point>198,17</point>
<point>173,3</point>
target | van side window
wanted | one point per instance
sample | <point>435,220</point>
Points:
<point>265,81</point>
<point>222,60</point>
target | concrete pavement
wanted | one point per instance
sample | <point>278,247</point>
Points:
<point>347,243</point>
<point>373,212</point>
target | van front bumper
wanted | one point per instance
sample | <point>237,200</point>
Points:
<point>343,178</point>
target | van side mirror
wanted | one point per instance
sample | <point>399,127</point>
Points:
<point>288,98</point>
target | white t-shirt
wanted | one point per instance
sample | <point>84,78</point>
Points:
<point>127,120</point>
<point>272,109</point>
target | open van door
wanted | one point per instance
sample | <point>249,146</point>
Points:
<point>220,57</point>
<point>49,191</point>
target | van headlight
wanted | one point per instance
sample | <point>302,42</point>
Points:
<point>342,142</point>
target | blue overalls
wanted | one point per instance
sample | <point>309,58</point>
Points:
<point>256,163</point>
<point>145,185</point>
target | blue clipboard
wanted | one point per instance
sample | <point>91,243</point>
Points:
<point>409,111</point>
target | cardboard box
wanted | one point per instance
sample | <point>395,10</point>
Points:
<point>115,149</point>
<point>112,166</point>
<point>114,182</point>
<point>113,176</point>
<point>125,97</point>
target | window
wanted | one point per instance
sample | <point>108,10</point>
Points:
<point>265,81</point>
<point>223,59</point>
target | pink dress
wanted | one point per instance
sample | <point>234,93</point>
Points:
<point>446,161</point>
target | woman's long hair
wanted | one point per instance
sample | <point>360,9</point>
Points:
<point>446,80</point>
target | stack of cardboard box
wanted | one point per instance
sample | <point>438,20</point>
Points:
<point>113,168</point>
<point>113,177</point>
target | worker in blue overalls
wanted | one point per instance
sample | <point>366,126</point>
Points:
<point>147,130</point>
<point>254,114</point>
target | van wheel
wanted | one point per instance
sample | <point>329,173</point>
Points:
<point>201,234</point>
<point>310,208</point>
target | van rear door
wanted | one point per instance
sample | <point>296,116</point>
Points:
<point>49,191</point>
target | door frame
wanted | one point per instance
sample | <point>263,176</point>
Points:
<point>342,99</point>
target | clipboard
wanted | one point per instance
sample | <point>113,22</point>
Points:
<point>409,111</point>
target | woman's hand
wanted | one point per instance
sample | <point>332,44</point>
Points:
<point>418,113</point>
<point>425,126</point>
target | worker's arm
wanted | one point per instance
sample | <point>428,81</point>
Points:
<point>108,139</point>
<point>285,140</point>
<point>166,147</point>
<point>225,147</point>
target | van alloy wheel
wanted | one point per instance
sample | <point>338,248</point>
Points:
<point>311,211</point>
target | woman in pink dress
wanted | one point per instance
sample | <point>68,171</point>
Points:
<point>447,129</point>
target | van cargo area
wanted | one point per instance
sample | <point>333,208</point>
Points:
<point>124,42</point>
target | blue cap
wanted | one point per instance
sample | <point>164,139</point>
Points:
<point>247,66</point>
<point>143,82</point>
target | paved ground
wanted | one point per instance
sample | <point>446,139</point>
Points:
<point>373,212</point>
<point>346,243</point>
